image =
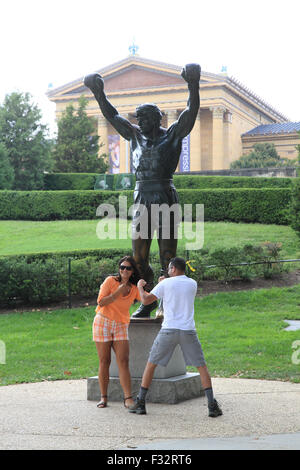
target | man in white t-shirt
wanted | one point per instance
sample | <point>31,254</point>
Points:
<point>178,294</point>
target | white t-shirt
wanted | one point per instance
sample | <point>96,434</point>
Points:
<point>178,295</point>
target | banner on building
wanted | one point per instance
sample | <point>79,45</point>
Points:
<point>184,161</point>
<point>114,153</point>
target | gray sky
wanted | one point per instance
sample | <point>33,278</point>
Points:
<point>57,42</point>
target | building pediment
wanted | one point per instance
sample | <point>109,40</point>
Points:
<point>137,75</point>
<point>133,73</point>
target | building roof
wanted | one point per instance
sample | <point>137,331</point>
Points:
<point>278,128</point>
<point>129,74</point>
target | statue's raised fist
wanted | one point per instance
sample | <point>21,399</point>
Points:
<point>94,82</point>
<point>191,73</point>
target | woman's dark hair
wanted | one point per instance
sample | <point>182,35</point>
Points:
<point>135,276</point>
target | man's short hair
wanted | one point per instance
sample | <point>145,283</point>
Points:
<point>148,108</point>
<point>178,263</point>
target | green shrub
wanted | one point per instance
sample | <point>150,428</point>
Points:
<point>229,182</point>
<point>55,205</point>
<point>295,206</point>
<point>37,282</point>
<point>89,273</point>
<point>86,181</point>
<point>43,278</point>
<point>262,155</point>
<point>108,253</point>
<point>267,206</point>
<point>230,263</point>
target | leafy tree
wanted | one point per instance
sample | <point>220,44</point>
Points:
<point>25,139</point>
<point>295,199</point>
<point>77,148</point>
<point>261,156</point>
<point>298,148</point>
<point>7,175</point>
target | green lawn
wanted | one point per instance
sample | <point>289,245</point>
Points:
<point>242,335</point>
<point>18,237</point>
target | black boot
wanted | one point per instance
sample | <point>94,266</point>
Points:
<point>214,410</point>
<point>144,310</point>
<point>139,407</point>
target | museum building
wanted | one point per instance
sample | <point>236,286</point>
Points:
<point>230,121</point>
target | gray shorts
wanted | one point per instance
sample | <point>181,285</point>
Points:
<point>167,340</point>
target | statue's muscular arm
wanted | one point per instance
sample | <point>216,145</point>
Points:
<point>184,124</point>
<point>95,83</point>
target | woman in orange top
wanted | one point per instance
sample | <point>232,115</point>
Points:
<point>110,326</point>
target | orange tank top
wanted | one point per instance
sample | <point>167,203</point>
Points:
<point>119,309</point>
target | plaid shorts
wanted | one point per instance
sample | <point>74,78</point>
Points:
<point>109,330</point>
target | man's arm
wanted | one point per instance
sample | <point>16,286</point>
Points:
<point>185,123</point>
<point>146,297</point>
<point>95,83</point>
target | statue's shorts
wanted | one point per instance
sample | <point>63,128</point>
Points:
<point>156,207</point>
<point>167,340</point>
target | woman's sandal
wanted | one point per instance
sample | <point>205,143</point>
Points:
<point>102,403</point>
<point>127,398</point>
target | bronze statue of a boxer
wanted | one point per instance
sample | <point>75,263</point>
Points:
<point>155,154</point>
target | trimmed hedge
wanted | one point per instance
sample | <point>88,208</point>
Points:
<point>43,281</point>
<point>56,205</point>
<point>267,206</point>
<point>39,278</point>
<point>43,277</point>
<point>295,206</point>
<point>98,254</point>
<point>230,182</point>
<point>86,181</point>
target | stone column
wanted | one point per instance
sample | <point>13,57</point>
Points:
<point>123,143</point>
<point>172,115</point>
<point>125,149</point>
<point>217,137</point>
<point>227,139</point>
<point>195,146</point>
<point>103,133</point>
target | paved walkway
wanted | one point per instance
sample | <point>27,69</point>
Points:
<point>57,415</point>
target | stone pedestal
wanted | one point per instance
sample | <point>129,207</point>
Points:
<point>170,384</point>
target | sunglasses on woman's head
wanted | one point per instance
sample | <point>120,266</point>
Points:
<point>128,268</point>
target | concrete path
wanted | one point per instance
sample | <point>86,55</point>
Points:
<point>56,415</point>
